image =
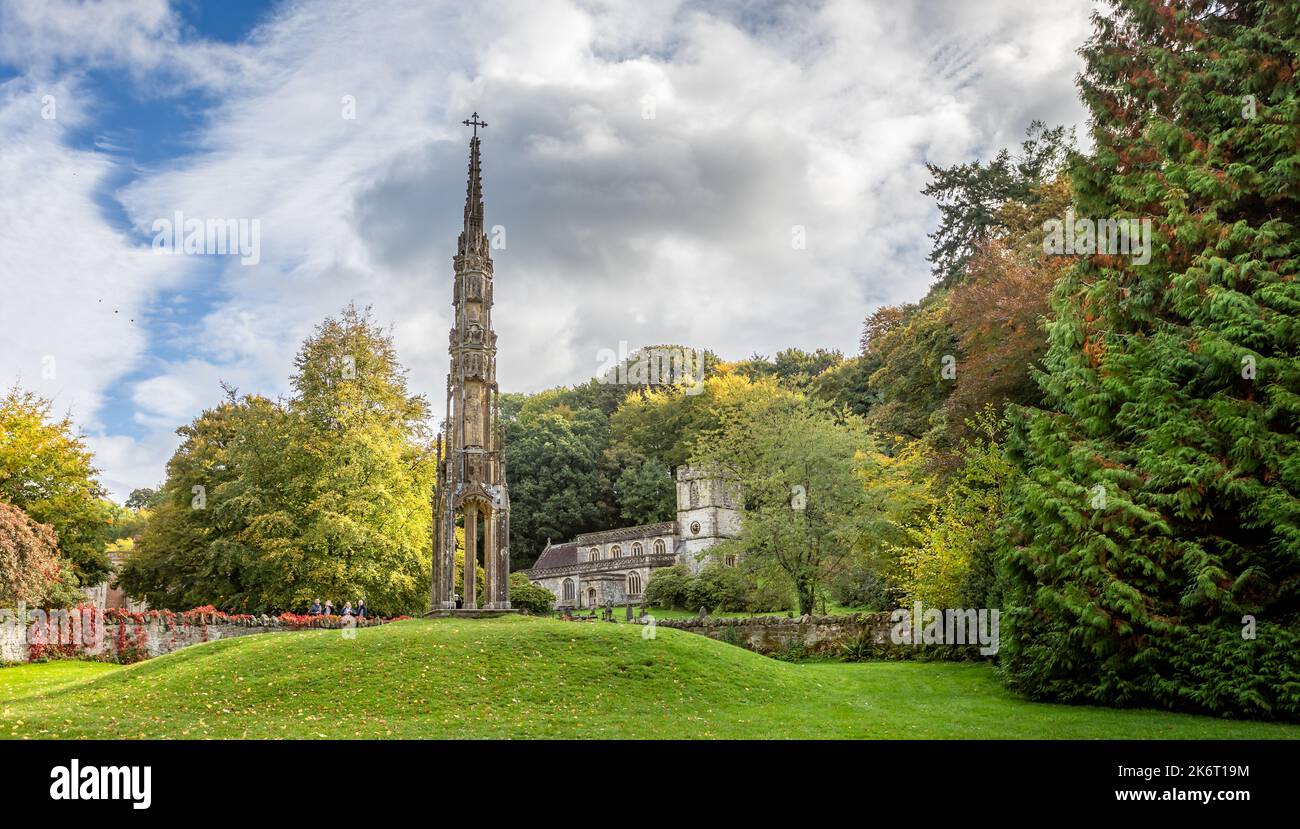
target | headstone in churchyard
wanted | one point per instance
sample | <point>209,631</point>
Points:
<point>703,613</point>
<point>629,611</point>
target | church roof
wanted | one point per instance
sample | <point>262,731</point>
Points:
<point>628,533</point>
<point>557,555</point>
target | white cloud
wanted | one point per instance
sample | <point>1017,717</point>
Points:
<point>74,288</point>
<point>675,229</point>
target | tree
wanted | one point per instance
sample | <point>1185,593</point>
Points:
<point>647,493</point>
<point>30,567</point>
<point>973,337</point>
<point>802,471</point>
<point>912,347</point>
<point>142,498</point>
<point>189,553</point>
<point>948,557</point>
<point>268,505</point>
<point>970,196</point>
<point>847,385</point>
<point>997,314</point>
<point>793,368</point>
<point>666,587</point>
<point>1159,509</point>
<point>47,471</point>
<point>555,486</point>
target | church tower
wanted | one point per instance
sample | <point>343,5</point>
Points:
<point>471,467</point>
<point>708,511</point>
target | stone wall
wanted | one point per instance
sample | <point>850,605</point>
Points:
<point>93,637</point>
<point>805,635</point>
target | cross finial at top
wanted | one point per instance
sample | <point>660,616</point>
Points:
<point>474,122</point>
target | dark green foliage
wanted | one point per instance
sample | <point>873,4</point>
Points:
<point>718,588</point>
<point>552,462</point>
<point>143,498</point>
<point>646,494</point>
<point>863,586</point>
<point>793,368</point>
<point>667,587</point>
<point>909,344</point>
<point>1161,495</point>
<point>847,385</point>
<point>528,597</point>
<point>970,196</point>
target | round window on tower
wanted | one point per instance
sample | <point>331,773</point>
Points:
<point>695,528</point>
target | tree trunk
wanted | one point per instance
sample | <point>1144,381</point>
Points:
<point>806,588</point>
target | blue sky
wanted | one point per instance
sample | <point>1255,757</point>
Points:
<point>648,162</point>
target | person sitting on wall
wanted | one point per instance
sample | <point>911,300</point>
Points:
<point>329,607</point>
<point>361,608</point>
<point>347,610</point>
<point>314,610</point>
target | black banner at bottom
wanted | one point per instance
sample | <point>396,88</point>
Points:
<point>243,780</point>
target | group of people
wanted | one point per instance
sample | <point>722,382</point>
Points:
<point>327,609</point>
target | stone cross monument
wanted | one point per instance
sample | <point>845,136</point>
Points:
<point>471,467</point>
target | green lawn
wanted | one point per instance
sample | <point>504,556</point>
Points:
<point>524,677</point>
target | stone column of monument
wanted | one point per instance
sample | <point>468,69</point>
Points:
<point>471,471</point>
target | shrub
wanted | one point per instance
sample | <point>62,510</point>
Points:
<point>769,597</point>
<point>718,587</point>
<point>667,587</point>
<point>863,586</point>
<point>529,597</point>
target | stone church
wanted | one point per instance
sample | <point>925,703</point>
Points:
<point>612,567</point>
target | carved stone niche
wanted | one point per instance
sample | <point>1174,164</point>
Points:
<point>472,363</point>
<point>473,286</point>
<point>474,335</point>
<point>474,468</point>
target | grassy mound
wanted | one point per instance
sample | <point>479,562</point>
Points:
<point>520,677</point>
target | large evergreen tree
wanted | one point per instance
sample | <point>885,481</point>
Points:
<point>1157,529</point>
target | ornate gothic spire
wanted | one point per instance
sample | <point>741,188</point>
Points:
<point>472,238</point>
<point>471,488</point>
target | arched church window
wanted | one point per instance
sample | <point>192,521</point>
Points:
<point>634,584</point>
<point>593,554</point>
<point>731,560</point>
<point>568,590</point>
<point>660,547</point>
<point>637,548</point>
<point>615,551</point>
